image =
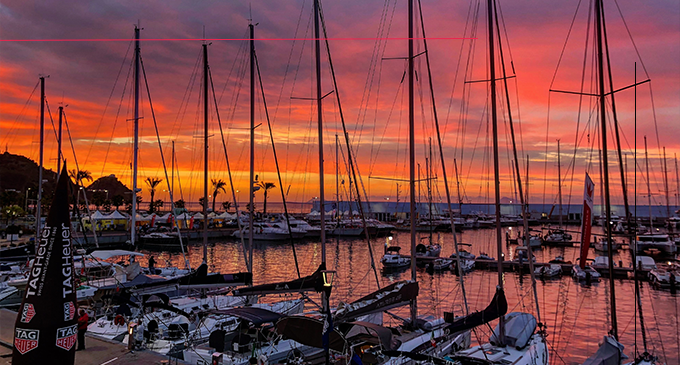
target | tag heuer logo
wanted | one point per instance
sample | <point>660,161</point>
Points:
<point>27,313</point>
<point>25,340</point>
<point>69,311</point>
<point>66,337</point>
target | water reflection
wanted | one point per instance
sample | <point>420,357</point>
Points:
<point>577,315</point>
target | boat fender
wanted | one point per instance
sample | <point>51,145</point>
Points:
<point>119,320</point>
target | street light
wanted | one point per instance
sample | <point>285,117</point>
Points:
<point>328,276</point>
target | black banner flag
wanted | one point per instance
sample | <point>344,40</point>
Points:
<point>46,328</point>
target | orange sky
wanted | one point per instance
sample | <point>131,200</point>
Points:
<point>83,75</point>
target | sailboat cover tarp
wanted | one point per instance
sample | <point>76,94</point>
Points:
<point>518,330</point>
<point>107,254</point>
<point>312,282</point>
<point>609,353</point>
<point>308,331</point>
<point>392,296</point>
<point>46,327</point>
<point>495,309</point>
<point>256,316</point>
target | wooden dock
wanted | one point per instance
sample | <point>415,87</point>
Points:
<point>98,351</point>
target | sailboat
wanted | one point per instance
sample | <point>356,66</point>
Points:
<point>558,236</point>
<point>515,339</point>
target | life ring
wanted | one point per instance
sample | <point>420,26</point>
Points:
<point>119,320</point>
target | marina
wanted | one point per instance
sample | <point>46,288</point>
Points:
<point>215,202</point>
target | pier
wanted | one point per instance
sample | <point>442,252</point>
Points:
<point>98,351</point>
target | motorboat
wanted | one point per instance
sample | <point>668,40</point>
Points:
<point>393,260</point>
<point>666,276</point>
<point>548,271</point>
<point>587,274</point>
<point>661,242</point>
<point>601,244</point>
<point>270,231</point>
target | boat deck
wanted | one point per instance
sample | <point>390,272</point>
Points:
<point>98,351</point>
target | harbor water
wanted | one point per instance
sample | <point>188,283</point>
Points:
<point>577,315</point>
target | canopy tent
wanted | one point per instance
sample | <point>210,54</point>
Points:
<point>115,215</point>
<point>98,216</point>
<point>198,216</point>
<point>226,215</point>
<point>183,216</point>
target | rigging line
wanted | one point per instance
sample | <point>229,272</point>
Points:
<point>455,78</point>
<point>465,98</point>
<point>352,156</point>
<point>231,181</point>
<point>387,124</point>
<point>349,151</point>
<point>443,165</point>
<point>30,96</point>
<point>79,181</point>
<point>290,56</point>
<point>566,40</point>
<point>115,121</point>
<point>375,59</point>
<point>184,103</point>
<point>101,120</point>
<point>165,169</point>
<point>276,162</point>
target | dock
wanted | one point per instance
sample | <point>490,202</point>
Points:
<point>620,271</point>
<point>98,351</point>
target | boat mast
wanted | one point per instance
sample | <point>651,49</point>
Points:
<point>40,168</point>
<point>460,200</point>
<point>322,199</point>
<point>603,131</point>
<point>59,155</point>
<point>135,148</point>
<point>665,178</point>
<point>337,185</point>
<point>205,152</point>
<point>172,172</point>
<point>412,158</point>
<point>516,171</point>
<point>496,170</point>
<point>649,189</point>
<point>441,157</point>
<point>251,208</point>
<point>677,180</point>
<point>559,181</point>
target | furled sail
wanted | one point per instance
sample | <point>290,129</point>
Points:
<point>495,309</point>
<point>312,282</point>
<point>392,296</point>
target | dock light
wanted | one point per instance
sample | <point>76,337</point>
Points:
<point>390,238</point>
<point>328,276</point>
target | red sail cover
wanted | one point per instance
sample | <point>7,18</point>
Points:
<point>587,219</point>
<point>46,328</point>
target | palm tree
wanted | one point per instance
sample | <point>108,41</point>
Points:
<point>266,186</point>
<point>226,206</point>
<point>218,185</point>
<point>152,183</point>
<point>80,175</point>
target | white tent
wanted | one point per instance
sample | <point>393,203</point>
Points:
<point>226,215</point>
<point>183,216</point>
<point>164,218</point>
<point>198,216</point>
<point>115,215</point>
<point>98,216</point>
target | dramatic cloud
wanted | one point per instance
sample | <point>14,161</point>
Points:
<point>94,78</point>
